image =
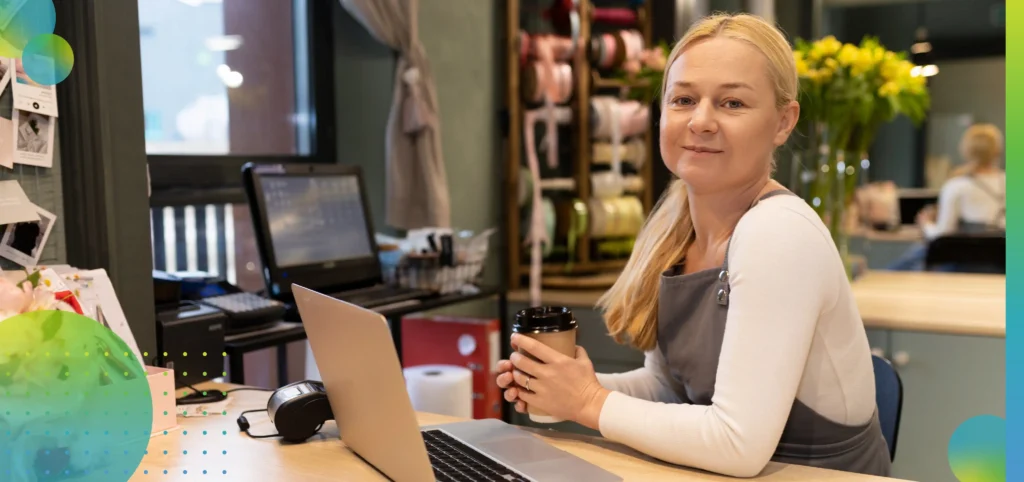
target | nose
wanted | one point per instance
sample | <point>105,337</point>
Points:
<point>702,119</point>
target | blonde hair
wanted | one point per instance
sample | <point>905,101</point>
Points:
<point>980,146</point>
<point>631,304</point>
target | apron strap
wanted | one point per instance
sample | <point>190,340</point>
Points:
<point>723,277</point>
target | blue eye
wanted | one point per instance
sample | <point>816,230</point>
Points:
<point>734,104</point>
<point>680,101</point>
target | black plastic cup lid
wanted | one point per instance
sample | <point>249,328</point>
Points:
<point>544,319</point>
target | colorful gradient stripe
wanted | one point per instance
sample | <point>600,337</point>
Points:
<point>1014,233</point>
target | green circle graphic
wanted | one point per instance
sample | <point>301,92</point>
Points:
<point>69,412</point>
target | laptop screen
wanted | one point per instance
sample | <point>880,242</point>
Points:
<point>315,219</point>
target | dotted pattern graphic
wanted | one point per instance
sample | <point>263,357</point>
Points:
<point>26,33</point>
<point>76,402</point>
<point>977,450</point>
<point>187,436</point>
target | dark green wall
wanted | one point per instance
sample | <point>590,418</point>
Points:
<point>898,151</point>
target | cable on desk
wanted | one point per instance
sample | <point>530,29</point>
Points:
<point>198,396</point>
<point>255,389</point>
<point>243,424</point>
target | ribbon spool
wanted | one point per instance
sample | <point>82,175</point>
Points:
<point>549,224</point>
<point>553,80</point>
<point>632,184</point>
<point>524,47</point>
<point>623,17</point>
<point>634,152</point>
<point>633,117</point>
<point>615,217</point>
<point>633,44</point>
<point>577,226</point>
<point>606,184</point>
<point>525,186</point>
<point>607,51</point>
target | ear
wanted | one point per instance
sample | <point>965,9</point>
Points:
<point>790,115</point>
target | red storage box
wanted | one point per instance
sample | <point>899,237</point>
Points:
<point>473,343</point>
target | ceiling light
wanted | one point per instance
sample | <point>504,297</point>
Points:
<point>224,43</point>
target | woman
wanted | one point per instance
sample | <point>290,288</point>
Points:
<point>972,201</point>
<point>974,198</point>
<point>754,347</point>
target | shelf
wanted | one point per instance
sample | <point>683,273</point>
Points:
<point>549,268</point>
<point>604,83</point>
<point>587,83</point>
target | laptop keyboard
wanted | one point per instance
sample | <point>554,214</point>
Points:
<point>455,461</point>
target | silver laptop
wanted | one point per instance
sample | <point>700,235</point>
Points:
<point>359,366</point>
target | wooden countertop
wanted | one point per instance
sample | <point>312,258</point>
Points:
<point>325,458</point>
<point>904,234</point>
<point>948,303</point>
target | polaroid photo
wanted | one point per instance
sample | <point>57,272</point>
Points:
<point>6,143</point>
<point>8,8</point>
<point>33,134</point>
<point>5,71</point>
<point>14,205</point>
<point>30,95</point>
<point>23,243</point>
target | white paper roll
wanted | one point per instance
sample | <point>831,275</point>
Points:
<point>441,389</point>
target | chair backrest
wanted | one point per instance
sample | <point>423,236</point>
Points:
<point>974,253</point>
<point>889,398</point>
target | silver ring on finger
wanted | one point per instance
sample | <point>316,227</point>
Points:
<point>528,383</point>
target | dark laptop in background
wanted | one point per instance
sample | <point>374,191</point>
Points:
<point>912,201</point>
<point>313,227</point>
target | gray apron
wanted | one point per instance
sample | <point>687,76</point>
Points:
<point>991,227</point>
<point>691,324</point>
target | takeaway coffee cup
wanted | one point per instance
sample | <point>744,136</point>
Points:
<point>554,326</point>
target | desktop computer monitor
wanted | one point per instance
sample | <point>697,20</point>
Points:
<point>313,226</point>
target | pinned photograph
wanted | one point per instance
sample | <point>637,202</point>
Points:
<point>6,143</point>
<point>33,137</point>
<point>31,96</point>
<point>5,71</point>
<point>14,205</point>
<point>23,243</point>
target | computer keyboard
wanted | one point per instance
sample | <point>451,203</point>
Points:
<point>455,461</point>
<point>380,295</point>
<point>246,310</point>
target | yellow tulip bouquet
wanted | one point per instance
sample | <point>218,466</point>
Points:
<point>847,92</point>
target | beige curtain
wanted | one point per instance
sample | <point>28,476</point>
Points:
<point>417,186</point>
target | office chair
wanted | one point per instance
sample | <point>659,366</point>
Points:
<point>967,253</point>
<point>889,398</point>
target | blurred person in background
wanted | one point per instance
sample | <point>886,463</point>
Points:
<point>972,201</point>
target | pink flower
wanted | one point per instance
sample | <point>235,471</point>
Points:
<point>14,299</point>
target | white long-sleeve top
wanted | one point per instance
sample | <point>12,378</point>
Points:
<point>793,331</point>
<point>963,199</point>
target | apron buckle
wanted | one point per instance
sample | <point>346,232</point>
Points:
<point>723,296</point>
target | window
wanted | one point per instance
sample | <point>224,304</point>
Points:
<point>226,82</point>
<point>225,77</point>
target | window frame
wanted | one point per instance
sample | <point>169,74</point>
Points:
<point>178,180</point>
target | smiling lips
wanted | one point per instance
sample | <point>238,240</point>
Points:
<point>702,149</point>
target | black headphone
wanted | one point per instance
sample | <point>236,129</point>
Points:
<point>298,410</point>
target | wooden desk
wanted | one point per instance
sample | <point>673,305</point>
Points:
<point>325,458</point>
<point>947,303</point>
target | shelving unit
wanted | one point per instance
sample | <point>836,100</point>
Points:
<point>577,162</point>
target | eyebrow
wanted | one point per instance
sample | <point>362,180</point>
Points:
<point>727,86</point>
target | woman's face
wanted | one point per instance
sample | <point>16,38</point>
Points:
<point>719,120</point>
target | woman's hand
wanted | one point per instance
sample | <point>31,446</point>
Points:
<point>926,215</point>
<point>506,382</point>
<point>562,386</point>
